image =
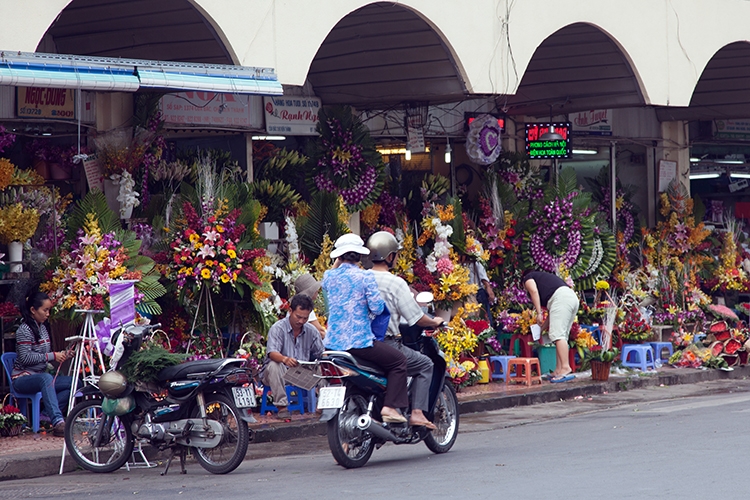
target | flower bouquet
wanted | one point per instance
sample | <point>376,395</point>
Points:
<point>11,421</point>
<point>457,339</point>
<point>634,328</point>
<point>17,223</point>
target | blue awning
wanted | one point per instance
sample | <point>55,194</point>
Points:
<point>34,69</point>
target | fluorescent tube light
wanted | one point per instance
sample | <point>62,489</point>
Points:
<point>268,137</point>
<point>585,151</point>
<point>713,175</point>
<point>740,175</point>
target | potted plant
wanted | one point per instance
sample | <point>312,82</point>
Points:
<point>600,360</point>
<point>11,421</point>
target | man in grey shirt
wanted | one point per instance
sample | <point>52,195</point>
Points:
<point>400,302</point>
<point>290,340</point>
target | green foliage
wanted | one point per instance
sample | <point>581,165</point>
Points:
<point>277,196</point>
<point>145,365</point>
<point>322,217</point>
<point>93,203</point>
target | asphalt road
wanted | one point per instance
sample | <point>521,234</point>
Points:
<point>685,441</point>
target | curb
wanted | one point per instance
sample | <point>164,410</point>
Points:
<point>47,463</point>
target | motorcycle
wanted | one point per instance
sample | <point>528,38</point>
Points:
<point>201,405</point>
<point>352,401</point>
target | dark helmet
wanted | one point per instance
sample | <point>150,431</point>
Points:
<point>381,245</point>
<point>113,384</point>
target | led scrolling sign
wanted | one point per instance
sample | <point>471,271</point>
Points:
<point>536,147</point>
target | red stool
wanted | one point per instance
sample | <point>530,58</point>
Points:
<point>522,369</point>
<point>523,342</point>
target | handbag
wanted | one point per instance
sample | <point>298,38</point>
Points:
<point>379,324</point>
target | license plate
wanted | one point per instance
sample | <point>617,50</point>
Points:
<point>244,397</point>
<point>331,397</point>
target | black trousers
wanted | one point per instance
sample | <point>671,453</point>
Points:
<point>394,364</point>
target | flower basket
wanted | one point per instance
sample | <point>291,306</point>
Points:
<point>14,430</point>
<point>600,370</point>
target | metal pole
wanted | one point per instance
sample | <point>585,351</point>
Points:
<point>613,184</point>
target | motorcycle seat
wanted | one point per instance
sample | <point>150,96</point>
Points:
<point>358,362</point>
<point>184,370</point>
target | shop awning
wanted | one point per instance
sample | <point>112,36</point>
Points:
<point>34,69</point>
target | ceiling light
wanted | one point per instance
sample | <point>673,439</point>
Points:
<point>729,162</point>
<point>713,175</point>
<point>740,175</point>
<point>551,135</point>
<point>407,155</point>
<point>694,160</point>
<point>585,151</point>
<point>448,151</point>
<point>268,138</point>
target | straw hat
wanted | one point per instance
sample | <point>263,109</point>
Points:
<point>306,284</point>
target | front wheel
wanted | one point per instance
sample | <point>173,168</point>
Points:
<point>231,450</point>
<point>446,419</point>
<point>97,442</point>
<point>350,446</point>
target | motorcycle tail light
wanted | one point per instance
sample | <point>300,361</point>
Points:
<point>239,378</point>
<point>330,370</point>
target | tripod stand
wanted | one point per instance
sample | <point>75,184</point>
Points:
<point>84,361</point>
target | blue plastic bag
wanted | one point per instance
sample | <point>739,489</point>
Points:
<point>379,325</point>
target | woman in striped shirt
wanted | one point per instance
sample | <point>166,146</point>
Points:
<point>33,352</point>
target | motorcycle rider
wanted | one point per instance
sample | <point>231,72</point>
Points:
<point>398,298</point>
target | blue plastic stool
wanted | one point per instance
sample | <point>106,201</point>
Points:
<point>643,356</point>
<point>658,348</point>
<point>294,397</point>
<point>8,359</point>
<point>498,363</point>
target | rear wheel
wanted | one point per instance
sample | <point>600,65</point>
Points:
<point>97,442</point>
<point>350,446</point>
<point>231,450</point>
<point>446,419</point>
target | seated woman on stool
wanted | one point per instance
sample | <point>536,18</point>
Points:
<point>33,352</point>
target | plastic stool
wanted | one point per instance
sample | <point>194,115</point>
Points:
<point>499,366</point>
<point>642,354</point>
<point>520,369</point>
<point>523,343</point>
<point>659,347</point>
<point>294,398</point>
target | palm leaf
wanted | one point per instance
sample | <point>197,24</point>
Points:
<point>93,203</point>
<point>322,217</point>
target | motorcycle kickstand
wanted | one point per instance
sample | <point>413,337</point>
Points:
<point>182,452</point>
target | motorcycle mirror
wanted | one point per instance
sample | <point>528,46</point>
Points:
<point>424,298</point>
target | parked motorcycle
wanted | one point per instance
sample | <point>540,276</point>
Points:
<point>353,399</point>
<point>201,405</point>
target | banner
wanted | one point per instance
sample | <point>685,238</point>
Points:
<point>43,102</point>
<point>291,115</point>
<point>121,313</point>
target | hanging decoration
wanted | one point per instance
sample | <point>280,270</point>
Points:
<point>483,140</point>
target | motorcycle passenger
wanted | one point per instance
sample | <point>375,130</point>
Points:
<point>290,340</point>
<point>398,298</point>
<point>353,296</point>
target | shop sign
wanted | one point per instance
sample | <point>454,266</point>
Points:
<point>537,148</point>
<point>291,115</point>
<point>594,122</point>
<point>43,102</point>
<point>732,129</point>
<point>206,109</point>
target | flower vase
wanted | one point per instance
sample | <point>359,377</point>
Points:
<point>443,313</point>
<point>600,370</point>
<point>111,192</point>
<point>126,211</point>
<point>15,256</point>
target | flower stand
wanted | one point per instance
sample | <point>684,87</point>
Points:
<point>600,370</point>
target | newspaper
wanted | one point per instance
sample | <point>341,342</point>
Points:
<point>303,375</point>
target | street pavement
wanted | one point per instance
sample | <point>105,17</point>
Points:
<point>479,406</point>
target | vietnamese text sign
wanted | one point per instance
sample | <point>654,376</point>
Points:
<point>43,102</point>
<point>732,129</point>
<point>594,122</point>
<point>93,173</point>
<point>537,147</point>
<point>667,172</point>
<point>291,115</point>
<point>206,109</point>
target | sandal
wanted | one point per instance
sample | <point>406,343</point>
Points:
<point>562,378</point>
<point>425,423</point>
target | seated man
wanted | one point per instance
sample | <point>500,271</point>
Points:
<point>289,340</point>
<point>400,302</point>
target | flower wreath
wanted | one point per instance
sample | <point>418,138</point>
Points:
<point>483,140</point>
<point>346,162</point>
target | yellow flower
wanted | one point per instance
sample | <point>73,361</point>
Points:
<point>194,238</point>
<point>602,285</point>
<point>225,278</point>
<point>219,228</point>
<point>205,273</point>
<point>231,253</point>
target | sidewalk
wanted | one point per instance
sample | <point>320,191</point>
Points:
<point>39,455</point>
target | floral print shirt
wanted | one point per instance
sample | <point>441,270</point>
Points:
<point>353,301</point>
